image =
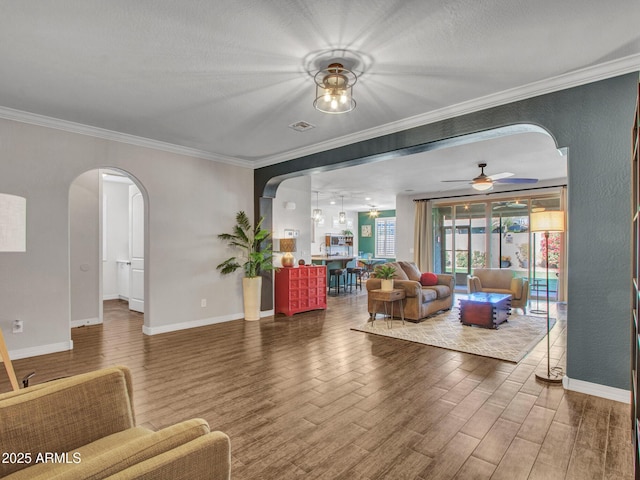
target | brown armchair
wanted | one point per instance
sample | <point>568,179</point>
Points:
<point>500,280</point>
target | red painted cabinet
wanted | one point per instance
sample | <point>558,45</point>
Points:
<point>300,289</point>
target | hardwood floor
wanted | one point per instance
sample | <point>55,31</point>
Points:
<point>305,396</point>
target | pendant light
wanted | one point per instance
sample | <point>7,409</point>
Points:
<point>342,216</point>
<point>317,213</point>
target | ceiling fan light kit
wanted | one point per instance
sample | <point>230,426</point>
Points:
<point>334,89</point>
<point>485,182</point>
<point>482,184</point>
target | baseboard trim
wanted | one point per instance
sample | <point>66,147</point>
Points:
<point>597,390</point>
<point>110,297</point>
<point>40,350</point>
<point>85,321</point>
<point>174,327</point>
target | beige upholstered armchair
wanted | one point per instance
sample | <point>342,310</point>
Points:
<point>500,280</point>
<point>88,422</point>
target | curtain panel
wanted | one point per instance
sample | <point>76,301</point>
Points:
<point>423,236</point>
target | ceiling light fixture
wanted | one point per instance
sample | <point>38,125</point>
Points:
<point>334,88</point>
<point>317,213</point>
<point>373,212</point>
<point>482,185</point>
<point>482,182</point>
<point>342,216</point>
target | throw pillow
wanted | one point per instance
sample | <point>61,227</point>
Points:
<point>429,279</point>
<point>412,271</point>
<point>400,275</point>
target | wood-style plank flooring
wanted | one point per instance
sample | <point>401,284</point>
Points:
<point>306,397</point>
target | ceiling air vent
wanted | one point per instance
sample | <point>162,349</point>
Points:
<point>301,126</point>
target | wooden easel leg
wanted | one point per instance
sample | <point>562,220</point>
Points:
<point>4,356</point>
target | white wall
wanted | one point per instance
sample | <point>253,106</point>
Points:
<point>84,231</point>
<point>190,201</point>
<point>298,191</point>
<point>405,217</point>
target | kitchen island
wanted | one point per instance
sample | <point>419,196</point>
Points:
<point>334,261</point>
<point>339,261</point>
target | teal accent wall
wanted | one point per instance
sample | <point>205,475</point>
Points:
<point>367,244</point>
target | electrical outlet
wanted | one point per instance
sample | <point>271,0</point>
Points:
<point>203,302</point>
<point>18,326</point>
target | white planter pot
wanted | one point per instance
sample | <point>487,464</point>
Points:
<point>251,292</point>
<point>386,285</point>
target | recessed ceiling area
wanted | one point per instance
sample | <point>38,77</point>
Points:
<point>527,155</point>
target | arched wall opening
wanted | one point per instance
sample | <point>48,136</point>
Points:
<point>107,232</point>
<point>593,122</point>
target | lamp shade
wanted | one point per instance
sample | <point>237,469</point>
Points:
<point>13,221</point>
<point>287,245</point>
<point>547,221</point>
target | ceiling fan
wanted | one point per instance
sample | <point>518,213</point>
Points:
<point>485,182</point>
<point>509,205</point>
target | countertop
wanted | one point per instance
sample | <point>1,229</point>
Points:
<point>325,258</point>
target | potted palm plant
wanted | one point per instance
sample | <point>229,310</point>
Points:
<point>386,273</point>
<point>253,260</point>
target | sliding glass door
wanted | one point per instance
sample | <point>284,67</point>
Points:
<point>495,234</point>
<point>460,242</point>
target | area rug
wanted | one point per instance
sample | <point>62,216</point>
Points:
<point>511,341</point>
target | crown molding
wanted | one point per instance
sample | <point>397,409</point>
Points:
<point>73,127</point>
<point>561,82</point>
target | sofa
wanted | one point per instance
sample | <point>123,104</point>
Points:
<point>83,427</point>
<point>420,301</point>
<point>500,280</point>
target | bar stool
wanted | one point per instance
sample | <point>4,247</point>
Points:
<point>354,277</point>
<point>336,274</point>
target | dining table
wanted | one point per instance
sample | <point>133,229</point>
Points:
<point>369,264</point>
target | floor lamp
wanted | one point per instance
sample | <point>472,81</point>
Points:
<point>536,282</point>
<point>13,213</point>
<point>548,221</point>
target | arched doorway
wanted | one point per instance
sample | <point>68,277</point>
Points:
<point>107,243</point>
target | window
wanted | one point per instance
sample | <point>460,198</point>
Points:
<point>386,237</point>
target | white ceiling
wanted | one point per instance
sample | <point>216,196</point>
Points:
<point>223,79</point>
<point>525,155</point>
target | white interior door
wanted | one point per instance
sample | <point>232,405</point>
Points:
<point>136,250</point>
